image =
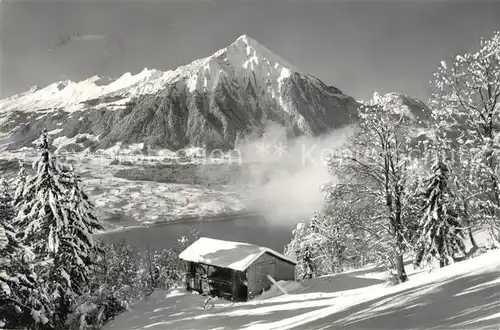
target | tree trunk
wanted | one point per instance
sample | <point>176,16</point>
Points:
<point>400,267</point>
<point>398,258</point>
<point>493,182</point>
<point>468,223</point>
<point>469,232</point>
<point>399,248</point>
<point>62,312</point>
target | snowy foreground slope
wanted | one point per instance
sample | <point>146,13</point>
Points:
<point>465,295</point>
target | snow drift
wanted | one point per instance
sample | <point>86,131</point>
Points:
<point>464,295</point>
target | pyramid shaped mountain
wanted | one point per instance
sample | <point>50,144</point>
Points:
<point>212,102</point>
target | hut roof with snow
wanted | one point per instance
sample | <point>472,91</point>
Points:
<point>226,254</point>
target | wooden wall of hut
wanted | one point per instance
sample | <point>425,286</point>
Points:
<point>216,281</point>
<point>267,264</point>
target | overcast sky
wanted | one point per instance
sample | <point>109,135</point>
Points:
<point>357,46</point>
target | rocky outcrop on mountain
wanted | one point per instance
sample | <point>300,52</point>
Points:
<point>414,109</point>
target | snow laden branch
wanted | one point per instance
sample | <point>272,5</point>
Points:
<point>22,300</point>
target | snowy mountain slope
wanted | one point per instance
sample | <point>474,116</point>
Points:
<point>199,75</point>
<point>465,295</point>
<point>214,101</point>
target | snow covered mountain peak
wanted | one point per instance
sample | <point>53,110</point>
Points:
<point>244,38</point>
<point>250,49</point>
<point>240,61</point>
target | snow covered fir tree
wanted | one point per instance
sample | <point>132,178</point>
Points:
<point>301,249</point>
<point>78,247</point>
<point>440,234</point>
<point>7,212</point>
<point>55,220</point>
<point>19,184</point>
<point>42,217</point>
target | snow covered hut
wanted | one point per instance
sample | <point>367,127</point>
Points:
<point>233,270</point>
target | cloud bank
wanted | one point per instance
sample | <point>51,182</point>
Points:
<point>286,174</point>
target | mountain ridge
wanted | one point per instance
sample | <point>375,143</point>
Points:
<point>242,52</point>
<point>212,102</point>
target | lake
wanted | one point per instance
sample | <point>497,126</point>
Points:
<point>251,228</point>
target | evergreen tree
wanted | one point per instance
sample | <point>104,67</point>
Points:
<point>308,262</point>
<point>19,184</point>
<point>6,209</point>
<point>81,206</point>
<point>22,303</point>
<point>440,234</point>
<point>48,226</point>
<point>42,215</point>
<point>301,249</point>
<point>79,248</point>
